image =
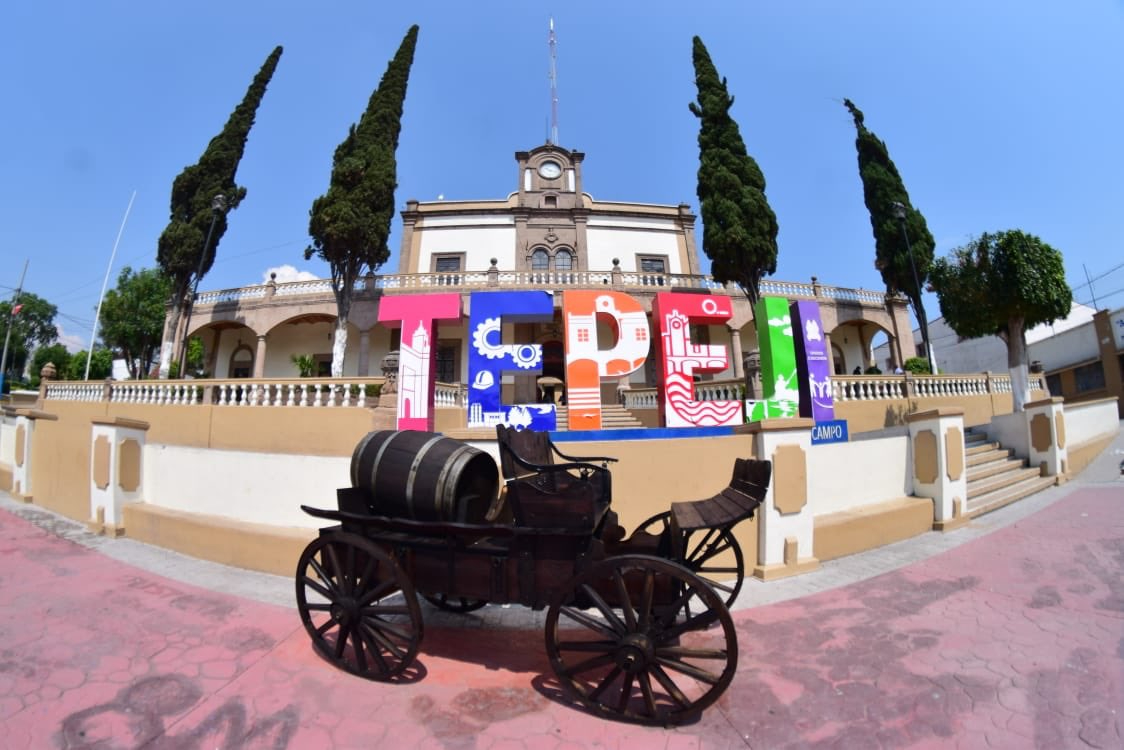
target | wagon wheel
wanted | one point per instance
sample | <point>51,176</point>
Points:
<point>457,604</point>
<point>625,659</point>
<point>700,547</point>
<point>358,606</point>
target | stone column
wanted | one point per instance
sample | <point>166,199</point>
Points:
<point>936,439</point>
<point>213,358</point>
<point>1045,428</point>
<point>22,488</point>
<point>364,352</point>
<point>116,472</point>
<point>736,352</point>
<point>784,525</point>
<point>259,358</point>
<point>687,224</point>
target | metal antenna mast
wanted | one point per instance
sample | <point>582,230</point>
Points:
<point>553,89</point>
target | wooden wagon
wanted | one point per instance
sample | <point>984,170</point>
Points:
<point>637,628</point>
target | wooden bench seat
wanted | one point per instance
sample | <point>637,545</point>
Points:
<point>574,494</point>
<point>736,502</point>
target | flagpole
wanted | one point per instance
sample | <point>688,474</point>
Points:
<point>11,322</point>
<point>105,281</point>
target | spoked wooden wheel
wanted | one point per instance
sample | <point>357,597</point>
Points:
<point>458,604</point>
<point>701,550</point>
<point>638,655</point>
<point>358,606</point>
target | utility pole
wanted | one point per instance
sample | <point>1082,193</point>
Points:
<point>11,322</point>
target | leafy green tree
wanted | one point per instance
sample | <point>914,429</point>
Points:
<point>55,354</point>
<point>32,325</point>
<point>180,248</point>
<point>132,317</point>
<point>194,364</point>
<point>101,365</point>
<point>882,188</point>
<point>739,226</point>
<point>350,224</point>
<point>1000,285</point>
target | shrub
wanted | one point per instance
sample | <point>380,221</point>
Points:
<point>917,365</point>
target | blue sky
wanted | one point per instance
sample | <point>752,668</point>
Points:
<point>998,114</point>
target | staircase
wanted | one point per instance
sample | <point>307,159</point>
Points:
<point>995,477</point>
<point>613,417</point>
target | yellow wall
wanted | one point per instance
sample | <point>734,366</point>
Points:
<point>868,416</point>
<point>60,469</point>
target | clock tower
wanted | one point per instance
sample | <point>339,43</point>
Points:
<point>550,214</point>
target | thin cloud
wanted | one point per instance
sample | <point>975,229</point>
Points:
<point>287,273</point>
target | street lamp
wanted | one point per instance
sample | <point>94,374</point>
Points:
<point>218,205</point>
<point>899,213</point>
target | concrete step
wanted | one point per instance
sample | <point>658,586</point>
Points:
<point>995,482</point>
<point>994,500</point>
<point>995,477</point>
<point>979,459</point>
<point>979,446</point>
<point>1001,465</point>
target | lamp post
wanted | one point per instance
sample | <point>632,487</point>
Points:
<point>899,213</point>
<point>218,205</point>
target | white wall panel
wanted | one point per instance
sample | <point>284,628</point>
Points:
<point>479,244</point>
<point>254,487</point>
<point>606,244</point>
<point>834,471</point>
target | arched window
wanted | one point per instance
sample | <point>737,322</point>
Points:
<point>563,261</point>
<point>540,260</point>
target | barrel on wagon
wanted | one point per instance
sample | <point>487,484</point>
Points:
<point>424,476</point>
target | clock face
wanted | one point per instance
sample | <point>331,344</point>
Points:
<point>551,170</point>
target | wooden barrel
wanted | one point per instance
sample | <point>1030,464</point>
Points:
<point>424,476</point>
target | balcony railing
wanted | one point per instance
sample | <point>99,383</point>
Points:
<point>494,279</point>
<point>359,392</point>
<point>309,392</point>
<point>859,388</point>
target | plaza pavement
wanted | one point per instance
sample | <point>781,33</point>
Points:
<point>1006,634</point>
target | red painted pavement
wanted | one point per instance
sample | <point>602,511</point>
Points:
<point>1015,640</point>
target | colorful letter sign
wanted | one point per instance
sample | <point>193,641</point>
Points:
<point>586,364</point>
<point>778,362</point>
<point>812,362</point>
<point>489,358</point>
<point>680,359</point>
<point>795,368</point>
<point>417,356</point>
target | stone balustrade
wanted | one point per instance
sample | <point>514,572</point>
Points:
<point>450,396</point>
<point>479,280</point>
<point>859,388</point>
<point>311,392</point>
<point>75,391</point>
<point>353,392</point>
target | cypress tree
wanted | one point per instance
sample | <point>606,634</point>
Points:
<point>180,247</point>
<point>882,188</point>
<point>350,224</point>
<point>739,226</point>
